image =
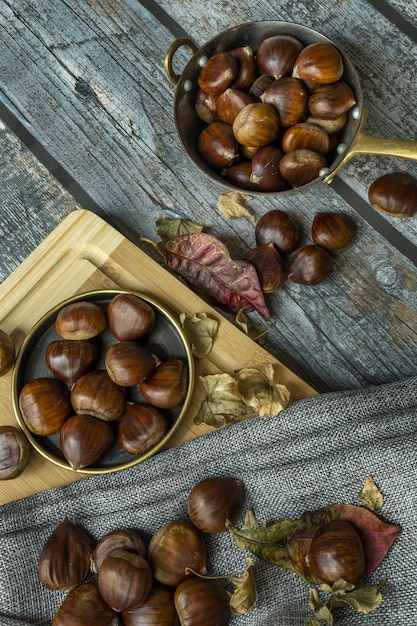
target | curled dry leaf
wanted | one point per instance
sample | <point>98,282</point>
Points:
<point>370,495</point>
<point>257,388</point>
<point>233,204</point>
<point>319,607</point>
<point>244,596</point>
<point>170,227</point>
<point>254,331</point>
<point>200,330</point>
<point>205,262</point>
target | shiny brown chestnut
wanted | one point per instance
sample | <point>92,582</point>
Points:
<point>116,539</point>
<point>336,552</point>
<point>124,580</point>
<point>331,101</point>
<point>306,136</point>
<point>269,266</point>
<point>68,359</point>
<point>215,501</point>
<point>394,194</point>
<point>130,362</point>
<point>257,124</point>
<point>96,394</point>
<point>260,84</point>
<point>231,102</point>
<point>266,173</point>
<point>14,452</point>
<point>84,439</point>
<point>205,107</point>
<point>280,228</point>
<point>301,166</point>
<point>333,231</point>
<point>65,558</point>
<point>310,265</point>
<point>7,352</point>
<point>218,146</point>
<point>174,547</point>
<point>130,317</point>
<point>166,386</point>
<point>276,55</point>
<point>202,602</point>
<point>240,174</point>
<point>141,427</point>
<point>80,320</point>
<point>247,70</point>
<point>218,73</point>
<point>289,96</point>
<point>84,606</point>
<point>157,610</point>
<point>319,62</point>
<point>45,405</point>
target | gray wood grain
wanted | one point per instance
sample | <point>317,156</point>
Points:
<point>86,79</point>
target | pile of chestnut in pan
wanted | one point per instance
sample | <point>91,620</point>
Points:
<point>89,406</point>
<point>272,118</point>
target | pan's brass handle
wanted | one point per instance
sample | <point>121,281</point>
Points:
<point>178,43</point>
<point>368,144</point>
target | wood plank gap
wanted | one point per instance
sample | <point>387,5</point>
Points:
<point>395,18</point>
<point>165,19</point>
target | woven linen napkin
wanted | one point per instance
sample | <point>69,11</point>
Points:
<point>316,452</point>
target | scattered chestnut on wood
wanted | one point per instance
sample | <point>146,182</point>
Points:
<point>96,394</point>
<point>130,362</point>
<point>310,265</point>
<point>166,386</point>
<point>118,538</point>
<point>84,606</point>
<point>214,501</point>
<point>130,317</point>
<point>336,552</point>
<point>80,320</point>
<point>65,558</point>
<point>269,266</point>
<point>333,231</point>
<point>394,194</point>
<point>83,439</point>
<point>157,610</point>
<point>7,352</point>
<point>279,228</point>
<point>173,548</point>
<point>14,452</point>
<point>124,580</point>
<point>69,359</point>
<point>45,405</point>
<point>202,602</point>
<point>141,427</point>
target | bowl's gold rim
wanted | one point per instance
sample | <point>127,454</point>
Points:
<point>91,470</point>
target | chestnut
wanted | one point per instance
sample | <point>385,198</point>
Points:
<point>308,136</point>
<point>240,174</point>
<point>215,501</point>
<point>84,606</point>
<point>84,439</point>
<point>218,145</point>
<point>301,166</point>
<point>124,580</point>
<point>96,394</point>
<point>331,101</point>
<point>260,84</point>
<point>130,317</point>
<point>276,55</point>
<point>45,405</point>
<point>157,610</point>
<point>118,538</point>
<point>80,320</point>
<point>166,386</point>
<point>205,107</point>
<point>231,102</point>
<point>202,602</point>
<point>394,194</point>
<point>14,452</point>
<point>336,552</point>
<point>257,124</point>
<point>247,70</point>
<point>310,265</point>
<point>269,266</point>
<point>279,228</point>
<point>129,363</point>
<point>218,73</point>
<point>333,231</point>
<point>7,352</point>
<point>69,359</point>
<point>319,62</point>
<point>289,96</point>
<point>174,547</point>
<point>141,427</point>
<point>265,169</point>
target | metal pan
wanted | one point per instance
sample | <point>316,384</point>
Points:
<point>354,140</point>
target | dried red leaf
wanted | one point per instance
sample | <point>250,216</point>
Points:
<point>205,262</point>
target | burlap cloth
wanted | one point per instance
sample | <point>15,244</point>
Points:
<point>317,452</point>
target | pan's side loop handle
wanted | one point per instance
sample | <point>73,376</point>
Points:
<point>169,57</point>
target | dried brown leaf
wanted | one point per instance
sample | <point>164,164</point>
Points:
<point>255,331</point>
<point>370,495</point>
<point>257,388</point>
<point>169,227</point>
<point>223,403</point>
<point>200,330</point>
<point>244,596</point>
<point>232,204</point>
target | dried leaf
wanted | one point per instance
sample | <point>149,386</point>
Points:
<point>244,597</point>
<point>169,227</point>
<point>312,622</point>
<point>257,388</point>
<point>363,599</point>
<point>255,331</point>
<point>200,331</point>
<point>319,608</point>
<point>370,495</point>
<point>222,404</point>
<point>232,204</point>
<point>205,262</point>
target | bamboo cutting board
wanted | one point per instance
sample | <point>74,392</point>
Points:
<point>84,253</point>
